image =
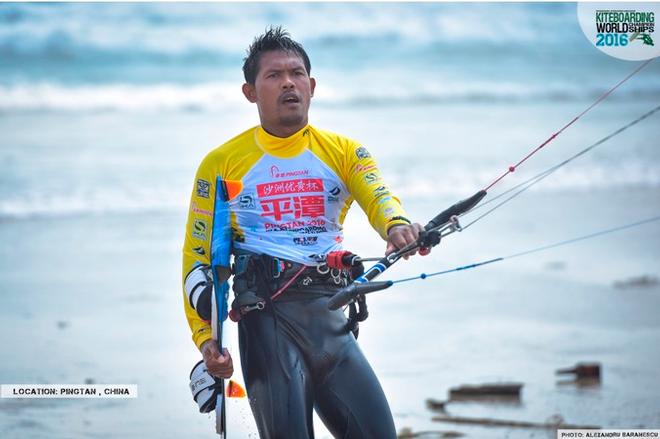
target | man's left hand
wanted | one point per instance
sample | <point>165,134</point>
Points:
<point>401,235</point>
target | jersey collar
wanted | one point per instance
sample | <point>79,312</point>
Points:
<point>283,147</point>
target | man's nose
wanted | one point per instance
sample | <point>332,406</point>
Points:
<point>287,81</point>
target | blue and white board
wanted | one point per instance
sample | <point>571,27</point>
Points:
<point>240,423</point>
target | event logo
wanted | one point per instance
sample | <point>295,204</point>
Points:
<point>624,31</point>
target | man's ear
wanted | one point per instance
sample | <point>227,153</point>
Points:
<point>312,84</point>
<point>250,92</point>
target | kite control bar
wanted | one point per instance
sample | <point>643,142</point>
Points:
<point>445,223</point>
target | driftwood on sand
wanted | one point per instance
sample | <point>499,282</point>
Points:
<point>559,423</point>
<point>494,390</point>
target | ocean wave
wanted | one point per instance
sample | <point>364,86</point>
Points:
<point>49,97</point>
<point>90,202</point>
<point>172,28</point>
<point>591,177</point>
<point>118,97</point>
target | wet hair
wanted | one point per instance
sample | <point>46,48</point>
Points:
<point>275,38</point>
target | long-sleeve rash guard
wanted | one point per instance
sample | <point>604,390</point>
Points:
<point>295,195</point>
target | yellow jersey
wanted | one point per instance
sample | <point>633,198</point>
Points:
<point>295,194</point>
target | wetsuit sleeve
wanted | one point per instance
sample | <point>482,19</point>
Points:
<point>196,249</point>
<point>368,188</point>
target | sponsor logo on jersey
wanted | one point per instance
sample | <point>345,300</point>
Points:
<point>199,229</point>
<point>199,250</point>
<point>380,191</point>
<point>275,172</point>
<point>371,177</point>
<point>362,168</point>
<point>333,198</point>
<point>203,188</point>
<point>305,240</point>
<point>203,329</point>
<point>246,201</point>
<point>199,211</point>
<point>362,153</point>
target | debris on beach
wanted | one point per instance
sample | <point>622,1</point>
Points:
<point>407,433</point>
<point>436,405</point>
<point>645,281</point>
<point>491,391</point>
<point>582,371</point>
<point>554,422</point>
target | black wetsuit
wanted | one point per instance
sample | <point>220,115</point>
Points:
<point>297,356</point>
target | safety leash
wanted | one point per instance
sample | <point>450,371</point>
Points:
<point>528,252</point>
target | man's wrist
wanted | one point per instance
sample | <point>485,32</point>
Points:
<point>401,219</point>
<point>208,344</point>
<point>397,221</point>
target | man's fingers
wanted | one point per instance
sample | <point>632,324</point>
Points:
<point>403,236</point>
<point>399,241</point>
<point>222,367</point>
<point>222,359</point>
<point>395,242</point>
<point>400,238</point>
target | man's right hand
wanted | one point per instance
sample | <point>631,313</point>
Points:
<point>218,364</point>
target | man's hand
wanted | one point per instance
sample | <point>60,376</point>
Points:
<point>401,235</point>
<point>219,365</point>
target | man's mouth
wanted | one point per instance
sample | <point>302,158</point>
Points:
<point>290,98</point>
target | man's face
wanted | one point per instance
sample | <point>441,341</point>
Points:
<point>282,92</point>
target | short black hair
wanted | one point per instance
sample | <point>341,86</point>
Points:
<point>275,38</point>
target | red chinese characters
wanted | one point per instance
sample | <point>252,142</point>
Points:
<point>297,186</point>
<point>296,204</point>
<point>310,206</point>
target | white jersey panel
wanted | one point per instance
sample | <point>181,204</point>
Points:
<point>290,208</point>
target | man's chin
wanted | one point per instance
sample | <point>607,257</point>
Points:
<point>293,120</point>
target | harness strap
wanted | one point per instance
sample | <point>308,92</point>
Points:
<point>277,293</point>
<point>275,268</point>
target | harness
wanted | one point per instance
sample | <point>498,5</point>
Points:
<point>259,274</point>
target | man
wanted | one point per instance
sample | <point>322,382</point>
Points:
<point>297,185</point>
